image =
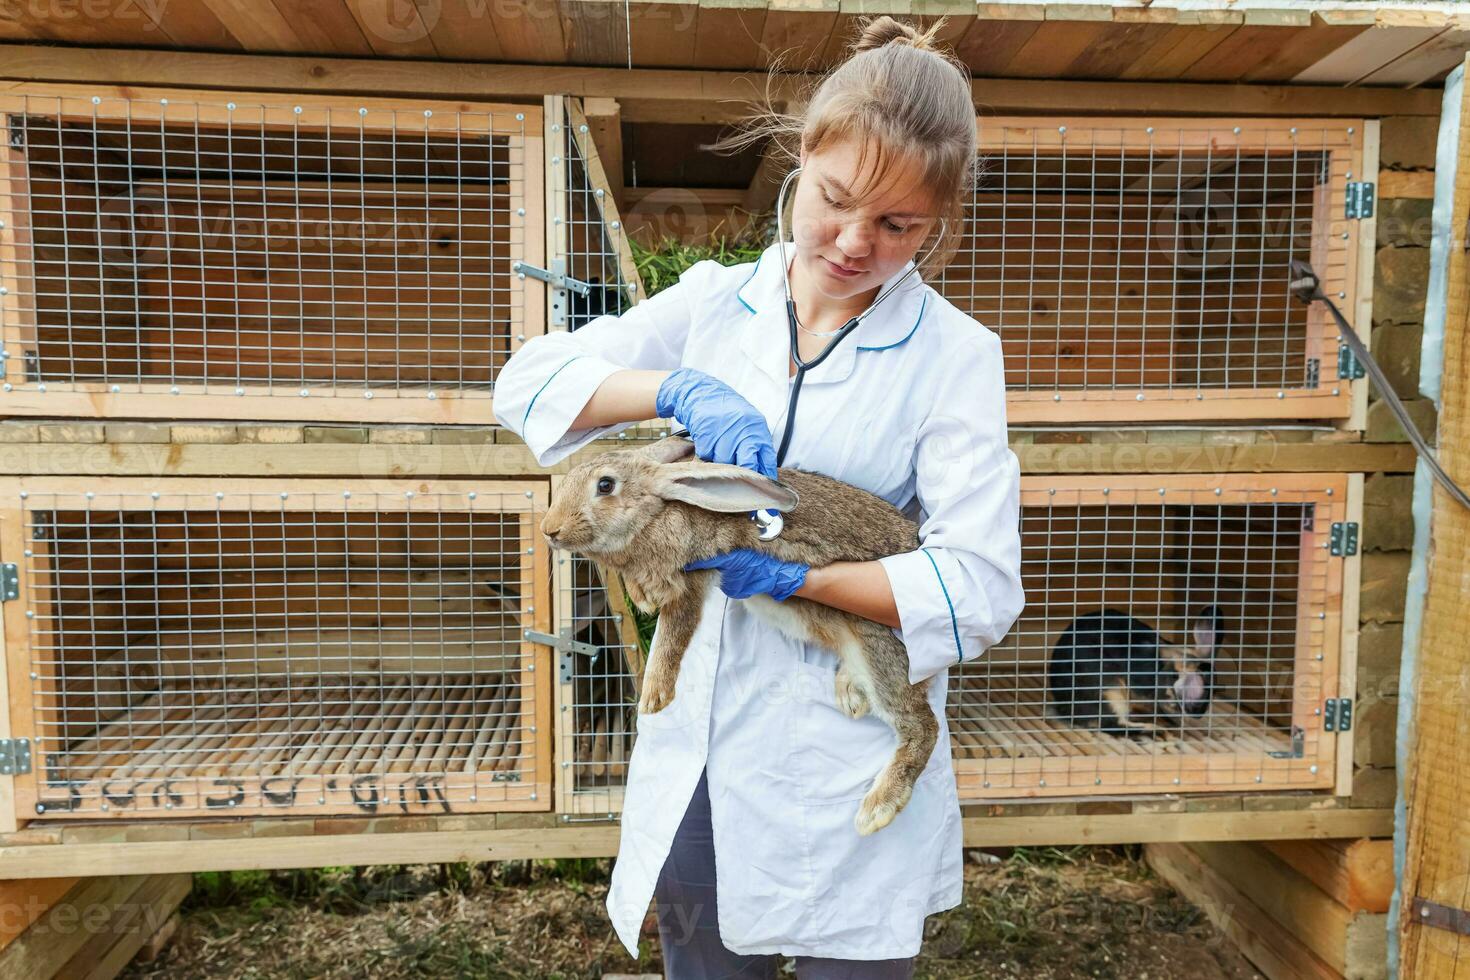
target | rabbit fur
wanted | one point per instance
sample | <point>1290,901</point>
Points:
<point>648,512</point>
<point>1116,674</point>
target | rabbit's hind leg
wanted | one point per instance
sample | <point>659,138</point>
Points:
<point>905,707</point>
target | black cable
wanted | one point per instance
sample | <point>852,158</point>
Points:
<point>1306,287</point>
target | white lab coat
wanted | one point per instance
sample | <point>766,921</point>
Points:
<point>910,407</point>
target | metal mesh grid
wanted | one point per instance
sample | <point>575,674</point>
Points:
<point>598,692</point>
<point>1144,262</point>
<point>1035,715</point>
<point>235,248</point>
<point>594,239</point>
<point>352,651</point>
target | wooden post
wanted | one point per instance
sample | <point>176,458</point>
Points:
<point>1436,784</point>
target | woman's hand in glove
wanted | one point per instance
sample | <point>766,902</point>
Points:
<point>745,572</point>
<point>724,426</point>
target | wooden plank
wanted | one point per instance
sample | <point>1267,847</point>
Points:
<point>530,32</point>
<point>1288,898</point>
<point>581,130</point>
<point>1305,48</point>
<point>165,894</point>
<point>44,949</point>
<point>193,25</point>
<point>1269,945</point>
<point>1425,63</point>
<point>1364,54</point>
<point>729,33</point>
<point>26,900</point>
<point>725,92</point>
<point>1358,874</point>
<point>1437,784</point>
<point>1406,183</point>
<point>513,459</point>
<point>257,26</point>
<point>463,31</point>
<point>601,840</point>
<point>605,121</point>
<point>324,25</point>
<point>393,30</point>
<point>1365,262</point>
<point>794,33</point>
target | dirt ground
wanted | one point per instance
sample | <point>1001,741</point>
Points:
<point>1033,913</point>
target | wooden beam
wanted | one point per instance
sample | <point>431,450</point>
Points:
<point>1406,183</point>
<point>605,123</point>
<point>1436,783</point>
<point>665,95</point>
<point>513,459</point>
<point>601,840</point>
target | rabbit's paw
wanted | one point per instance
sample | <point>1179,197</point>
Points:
<point>658,692</point>
<point>850,697</point>
<point>883,802</point>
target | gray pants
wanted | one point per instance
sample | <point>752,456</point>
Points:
<point>688,920</point>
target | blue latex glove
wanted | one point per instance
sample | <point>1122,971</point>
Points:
<point>745,572</point>
<point>724,426</point>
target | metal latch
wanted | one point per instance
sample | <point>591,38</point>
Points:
<point>1337,715</point>
<point>1298,745</point>
<point>505,777</point>
<point>559,281</point>
<point>1360,199</point>
<point>1314,373</point>
<point>15,756</point>
<point>1348,365</point>
<point>1438,916</point>
<point>1344,539</point>
<point>567,647</point>
<point>9,582</point>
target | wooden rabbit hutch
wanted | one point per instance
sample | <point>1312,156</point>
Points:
<point>280,594</point>
<point>198,647</point>
<point>239,256</point>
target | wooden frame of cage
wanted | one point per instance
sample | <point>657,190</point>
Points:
<point>275,113</point>
<point>25,676</point>
<point>1342,253</point>
<point>1071,764</point>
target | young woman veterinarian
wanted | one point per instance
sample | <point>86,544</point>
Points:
<point>746,786</point>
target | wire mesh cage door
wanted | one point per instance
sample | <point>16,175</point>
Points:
<point>1181,635</point>
<point>187,647</point>
<point>1137,269</point>
<point>186,254</point>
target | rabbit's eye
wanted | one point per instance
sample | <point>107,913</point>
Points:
<point>605,485</point>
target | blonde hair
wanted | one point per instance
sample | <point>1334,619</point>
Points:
<point>901,99</point>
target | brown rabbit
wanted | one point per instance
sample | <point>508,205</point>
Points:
<point>648,512</point>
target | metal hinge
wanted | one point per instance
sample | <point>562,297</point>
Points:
<point>1314,372</point>
<point>17,134</point>
<point>15,756</point>
<point>505,777</point>
<point>1348,365</point>
<point>1337,715</point>
<point>556,277</point>
<point>1360,199</point>
<point>9,581</point>
<point>1344,540</point>
<point>1438,916</point>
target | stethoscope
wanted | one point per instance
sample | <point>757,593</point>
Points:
<point>769,520</point>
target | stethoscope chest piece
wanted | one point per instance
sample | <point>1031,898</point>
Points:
<point>771,523</point>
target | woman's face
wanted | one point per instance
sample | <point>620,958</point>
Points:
<point>847,246</point>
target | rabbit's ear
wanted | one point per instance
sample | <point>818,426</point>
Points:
<point>1209,630</point>
<point>722,488</point>
<point>670,449</point>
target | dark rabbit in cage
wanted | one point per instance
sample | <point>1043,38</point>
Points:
<point>1115,673</point>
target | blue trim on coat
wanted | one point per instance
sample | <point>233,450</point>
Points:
<point>922,304</point>
<point>549,380</point>
<point>747,283</point>
<point>954,623</point>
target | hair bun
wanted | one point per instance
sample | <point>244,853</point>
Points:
<point>885,30</point>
